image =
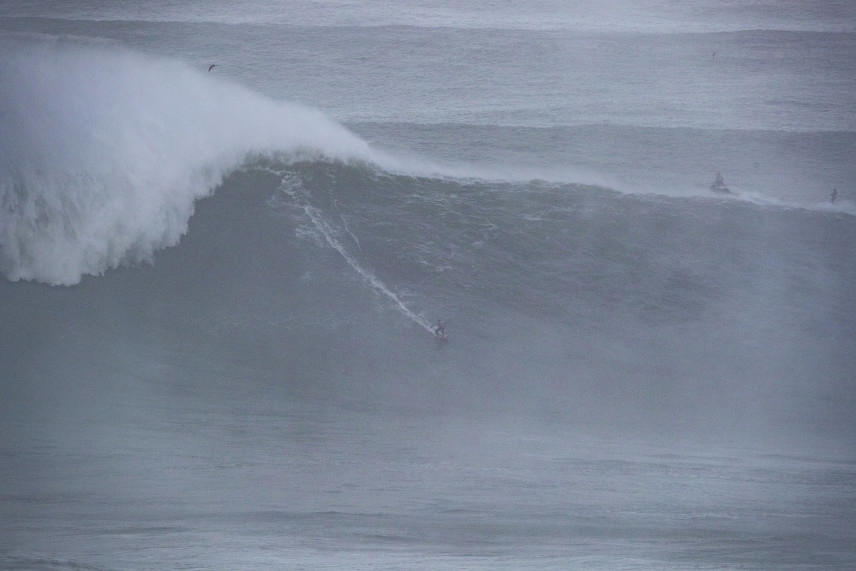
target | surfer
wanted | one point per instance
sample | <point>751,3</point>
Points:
<point>834,195</point>
<point>212,66</point>
<point>440,329</point>
<point>719,184</point>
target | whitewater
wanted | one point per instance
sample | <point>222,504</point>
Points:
<point>217,287</point>
<point>110,171</point>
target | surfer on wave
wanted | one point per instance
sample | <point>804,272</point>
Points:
<point>440,329</point>
<point>718,185</point>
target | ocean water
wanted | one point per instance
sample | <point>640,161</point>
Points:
<point>218,287</point>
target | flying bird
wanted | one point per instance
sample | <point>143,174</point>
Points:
<point>210,67</point>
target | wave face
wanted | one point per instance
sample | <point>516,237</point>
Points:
<point>104,152</point>
<point>675,313</point>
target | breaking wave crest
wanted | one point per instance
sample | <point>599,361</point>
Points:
<point>104,152</point>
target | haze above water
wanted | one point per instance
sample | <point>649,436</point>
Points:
<point>218,290</point>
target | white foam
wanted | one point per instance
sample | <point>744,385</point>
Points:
<point>103,152</point>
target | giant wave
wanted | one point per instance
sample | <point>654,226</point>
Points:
<point>104,152</point>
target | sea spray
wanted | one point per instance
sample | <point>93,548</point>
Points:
<point>104,152</point>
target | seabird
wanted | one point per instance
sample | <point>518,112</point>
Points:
<point>210,67</point>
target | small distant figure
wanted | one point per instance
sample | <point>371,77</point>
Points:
<point>212,66</point>
<point>718,184</point>
<point>834,195</point>
<point>440,329</point>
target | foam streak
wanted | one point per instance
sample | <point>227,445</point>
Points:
<point>292,186</point>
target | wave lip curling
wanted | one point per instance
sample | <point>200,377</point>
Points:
<point>104,151</point>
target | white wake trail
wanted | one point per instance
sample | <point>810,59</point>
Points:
<point>293,187</point>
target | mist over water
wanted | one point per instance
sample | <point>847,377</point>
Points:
<point>216,344</point>
<point>110,171</point>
